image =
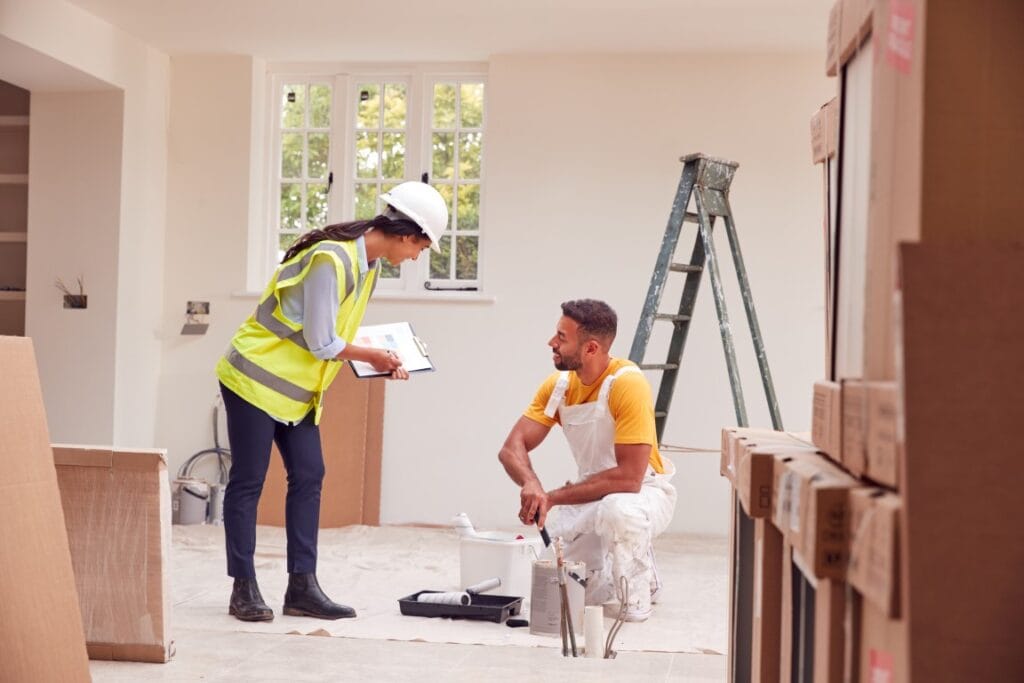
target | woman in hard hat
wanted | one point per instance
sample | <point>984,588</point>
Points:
<point>280,363</point>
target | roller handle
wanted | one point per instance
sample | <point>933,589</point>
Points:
<point>543,532</point>
<point>484,586</point>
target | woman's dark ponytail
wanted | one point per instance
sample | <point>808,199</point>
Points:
<point>343,232</point>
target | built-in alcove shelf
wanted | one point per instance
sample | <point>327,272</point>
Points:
<point>13,120</point>
<point>11,296</point>
<point>13,178</point>
<point>13,237</point>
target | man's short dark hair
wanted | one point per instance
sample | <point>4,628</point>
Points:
<point>595,318</point>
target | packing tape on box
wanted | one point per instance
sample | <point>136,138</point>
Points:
<point>448,598</point>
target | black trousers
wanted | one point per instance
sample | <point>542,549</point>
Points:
<point>251,432</point>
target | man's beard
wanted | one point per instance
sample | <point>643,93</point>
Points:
<point>566,363</point>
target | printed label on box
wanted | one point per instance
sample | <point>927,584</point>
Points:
<point>900,41</point>
<point>880,664</point>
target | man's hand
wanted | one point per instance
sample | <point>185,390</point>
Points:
<point>533,503</point>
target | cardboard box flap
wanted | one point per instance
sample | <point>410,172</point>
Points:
<point>874,567</point>
<point>41,636</point>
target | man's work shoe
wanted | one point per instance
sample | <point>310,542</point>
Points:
<point>247,603</point>
<point>304,598</point>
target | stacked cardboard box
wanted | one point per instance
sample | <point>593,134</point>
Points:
<point>924,230</point>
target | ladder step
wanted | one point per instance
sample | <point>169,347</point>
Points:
<point>691,217</point>
<point>658,366</point>
<point>685,268</point>
<point>672,316</point>
<point>660,413</point>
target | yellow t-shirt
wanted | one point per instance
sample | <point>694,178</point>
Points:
<point>629,402</point>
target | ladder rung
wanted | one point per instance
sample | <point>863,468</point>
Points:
<point>672,316</point>
<point>658,366</point>
<point>691,217</point>
<point>660,413</point>
<point>685,268</point>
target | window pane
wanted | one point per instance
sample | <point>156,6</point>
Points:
<point>316,206</point>
<point>472,104</point>
<point>466,257</point>
<point>440,264</point>
<point>291,155</point>
<point>446,191</point>
<point>469,155</point>
<point>320,106</point>
<point>291,206</point>
<point>394,105</point>
<point>443,155</point>
<point>293,106</point>
<point>367,161</point>
<point>366,201</point>
<point>389,271</point>
<point>469,207</point>
<point>319,150</point>
<point>444,105</point>
<point>368,115</point>
<point>284,241</point>
<point>393,155</point>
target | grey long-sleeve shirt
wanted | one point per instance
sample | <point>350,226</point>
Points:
<point>313,303</point>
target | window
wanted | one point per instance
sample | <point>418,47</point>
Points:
<point>303,160</point>
<point>369,132</point>
<point>456,150</point>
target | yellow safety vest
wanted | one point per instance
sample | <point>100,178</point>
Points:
<point>269,364</point>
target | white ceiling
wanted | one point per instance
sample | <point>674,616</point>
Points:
<point>447,30</point>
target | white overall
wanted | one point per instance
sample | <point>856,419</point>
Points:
<point>613,535</point>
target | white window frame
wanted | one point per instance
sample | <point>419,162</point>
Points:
<point>420,79</point>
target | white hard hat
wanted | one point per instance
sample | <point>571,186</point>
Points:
<point>423,205</point>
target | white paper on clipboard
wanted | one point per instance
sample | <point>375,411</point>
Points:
<point>397,337</point>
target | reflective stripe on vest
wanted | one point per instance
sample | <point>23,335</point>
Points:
<point>269,363</point>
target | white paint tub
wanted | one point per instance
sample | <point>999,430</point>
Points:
<point>488,554</point>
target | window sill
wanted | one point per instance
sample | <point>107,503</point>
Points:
<point>402,295</point>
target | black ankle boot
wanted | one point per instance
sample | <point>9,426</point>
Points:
<point>304,598</point>
<point>247,603</point>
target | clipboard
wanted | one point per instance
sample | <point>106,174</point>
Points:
<point>397,337</point>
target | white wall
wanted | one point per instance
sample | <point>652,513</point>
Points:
<point>74,213</point>
<point>581,167</point>
<point>209,193</point>
<point>58,47</point>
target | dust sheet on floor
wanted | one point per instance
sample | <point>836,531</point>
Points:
<point>370,568</point>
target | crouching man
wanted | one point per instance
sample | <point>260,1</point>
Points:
<point>622,497</point>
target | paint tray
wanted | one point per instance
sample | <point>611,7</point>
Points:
<point>496,608</point>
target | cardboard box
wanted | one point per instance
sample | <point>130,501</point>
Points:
<point>117,512</point>
<point>41,637</point>
<point>854,426</point>
<point>884,433</point>
<point>827,419</point>
<point>734,439</point>
<point>352,437</point>
<point>756,474</point>
<point>854,27</point>
<point>962,468</point>
<point>817,523</point>
<point>947,138</point>
<point>874,568</point>
<point>767,613</point>
<point>825,131</point>
<point>832,39</point>
<point>876,646</point>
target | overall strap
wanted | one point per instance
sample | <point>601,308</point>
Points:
<point>557,395</point>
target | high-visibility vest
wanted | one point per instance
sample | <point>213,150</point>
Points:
<point>268,363</point>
